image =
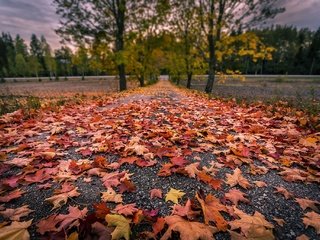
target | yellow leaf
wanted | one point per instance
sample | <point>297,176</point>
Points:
<point>308,142</point>
<point>111,196</point>
<point>73,236</point>
<point>174,195</point>
<point>122,226</point>
<point>16,230</point>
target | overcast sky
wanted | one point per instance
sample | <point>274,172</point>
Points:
<point>25,17</point>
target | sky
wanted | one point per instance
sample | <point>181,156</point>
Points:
<point>25,17</point>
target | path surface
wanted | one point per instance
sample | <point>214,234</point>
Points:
<point>117,149</point>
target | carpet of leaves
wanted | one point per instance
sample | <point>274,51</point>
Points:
<point>159,163</point>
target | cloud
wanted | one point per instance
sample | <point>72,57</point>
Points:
<point>303,14</point>
<point>27,17</point>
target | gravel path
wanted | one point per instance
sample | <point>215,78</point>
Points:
<point>156,124</point>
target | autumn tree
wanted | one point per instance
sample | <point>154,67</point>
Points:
<point>222,16</point>
<point>21,65</point>
<point>183,25</point>
<point>80,59</point>
<point>106,20</point>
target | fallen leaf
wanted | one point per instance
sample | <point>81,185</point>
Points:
<point>111,196</point>
<point>155,193</point>
<point>211,208</point>
<point>174,195</point>
<point>71,219</point>
<point>103,232</point>
<point>237,178</point>
<point>279,221</point>
<point>236,196</point>
<point>112,179</point>
<point>179,161</point>
<point>15,231</point>
<point>184,211</point>
<point>127,186</point>
<point>48,224</point>
<point>253,227</point>
<point>17,213</point>
<point>309,142</point>
<point>101,210</point>
<point>307,203</point>
<point>62,198</point>
<point>312,219</point>
<point>12,195</point>
<point>260,184</point>
<point>122,226</point>
<point>188,230</point>
<point>284,192</point>
<point>158,225</point>
<point>192,169</point>
<point>303,237</point>
<point>214,183</point>
<point>126,210</point>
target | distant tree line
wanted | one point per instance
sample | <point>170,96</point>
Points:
<point>272,50</point>
<point>297,51</point>
<point>17,59</point>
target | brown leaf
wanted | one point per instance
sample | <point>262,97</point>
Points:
<point>17,213</point>
<point>103,232</point>
<point>112,179</point>
<point>312,219</point>
<point>237,178</point>
<point>62,198</point>
<point>188,230</point>
<point>111,196</point>
<point>211,208</point>
<point>126,210</point>
<point>101,210</point>
<point>155,193</point>
<point>307,203</point>
<point>260,184</point>
<point>284,192</point>
<point>303,237</point>
<point>279,221</point>
<point>192,169</point>
<point>184,211</point>
<point>253,227</point>
<point>12,195</point>
<point>214,183</point>
<point>15,231</point>
<point>127,186</point>
<point>236,196</point>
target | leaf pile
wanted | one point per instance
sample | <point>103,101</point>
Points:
<point>72,173</point>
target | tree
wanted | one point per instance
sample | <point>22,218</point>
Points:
<point>21,65</point>
<point>9,54</point>
<point>63,58</point>
<point>49,62</point>
<point>219,16</point>
<point>34,66</point>
<point>314,53</point>
<point>106,20</point>
<point>21,47</point>
<point>37,55</point>
<point>80,59</point>
<point>183,23</point>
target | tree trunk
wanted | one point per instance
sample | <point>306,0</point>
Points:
<point>120,18</point>
<point>312,65</point>
<point>212,57</point>
<point>189,79</point>
<point>141,80</point>
<point>212,64</point>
